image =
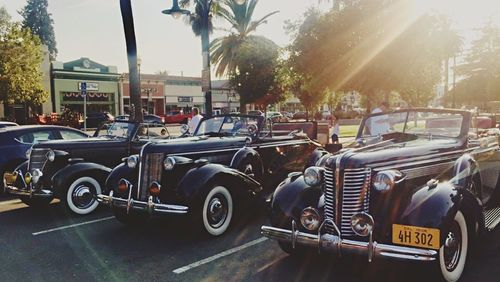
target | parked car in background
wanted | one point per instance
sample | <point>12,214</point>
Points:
<point>148,118</point>
<point>15,141</point>
<point>288,115</point>
<point>300,115</point>
<point>177,117</point>
<point>7,124</point>
<point>276,117</point>
<point>424,190</point>
<point>75,170</point>
<point>230,162</point>
<point>256,113</point>
<point>94,120</point>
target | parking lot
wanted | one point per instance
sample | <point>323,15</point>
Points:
<point>50,245</point>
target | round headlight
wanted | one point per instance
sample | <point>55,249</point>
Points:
<point>312,175</point>
<point>169,163</point>
<point>362,224</point>
<point>310,219</point>
<point>27,178</point>
<point>385,180</point>
<point>51,156</point>
<point>36,175</point>
<point>132,161</point>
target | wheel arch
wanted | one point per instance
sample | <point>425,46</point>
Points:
<point>62,179</point>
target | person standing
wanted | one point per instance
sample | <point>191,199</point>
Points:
<point>334,124</point>
<point>380,124</point>
<point>195,120</point>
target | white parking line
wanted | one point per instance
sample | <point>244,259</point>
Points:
<point>219,255</point>
<point>72,225</point>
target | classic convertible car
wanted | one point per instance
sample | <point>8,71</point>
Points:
<point>421,189</point>
<point>229,161</point>
<point>75,170</point>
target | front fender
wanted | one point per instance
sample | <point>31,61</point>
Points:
<point>23,167</point>
<point>432,207</point>
<point>195,183</point>
<point>290,198</point>
<point>61,179</point>
<point>120,171</point>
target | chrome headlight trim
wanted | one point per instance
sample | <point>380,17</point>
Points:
<point>310,218</point>
<point>132,161</point>
<point>385,180</point>
<point>51,156</point>
<point>169,163</point>
<point>313,175</point>
<point>362,224</point>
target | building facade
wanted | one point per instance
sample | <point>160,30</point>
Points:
<point>102,93</point>
<point>224,98</point>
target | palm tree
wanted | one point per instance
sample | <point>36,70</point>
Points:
<point>224,49</point>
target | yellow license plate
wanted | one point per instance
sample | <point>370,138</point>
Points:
<point>415,236</point>
<point>9,178</point>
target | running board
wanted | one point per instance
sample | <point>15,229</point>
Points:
<point>491,218</point>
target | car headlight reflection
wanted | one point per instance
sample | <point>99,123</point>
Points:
<point>132,161</point>
<point>310,219</point>
<point>362,224</point>
<point>313,175</point>
<point>385,180</point>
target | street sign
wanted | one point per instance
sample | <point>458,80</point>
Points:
<point>83,88</point>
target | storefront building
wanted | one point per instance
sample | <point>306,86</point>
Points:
<point>152,94</point>
<point>224,98</point>
<point>102,93</point>
<point>183,93</point>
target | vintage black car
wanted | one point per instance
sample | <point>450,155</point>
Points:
<point>229,161</point>
<point>75,170</point>
<point>419,185</point>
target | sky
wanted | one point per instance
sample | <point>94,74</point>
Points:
<point>93,29</point>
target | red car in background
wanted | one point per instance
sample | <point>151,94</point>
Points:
<point>177,117</point>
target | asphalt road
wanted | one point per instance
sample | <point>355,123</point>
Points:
<point>50,245</point>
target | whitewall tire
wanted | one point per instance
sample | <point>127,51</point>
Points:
<point>453,253</point>
<point>81,195</point>
<point>217,211</point>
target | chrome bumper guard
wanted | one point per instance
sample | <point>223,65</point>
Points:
<point>27,190</point>
<point>336,245</point>
<point>150,206</point>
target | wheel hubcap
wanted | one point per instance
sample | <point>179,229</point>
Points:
<point>82,196</point>
<point>249,170</point>
<point>217,211</point>
<point>452,247</point>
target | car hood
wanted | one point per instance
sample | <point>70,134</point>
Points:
<point>391,153</point>
<point>102,141</point>
<point>194,145</point>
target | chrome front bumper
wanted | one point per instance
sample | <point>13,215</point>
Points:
<point>336,245</point>
<point>32,193</point>
<point>150,206</point>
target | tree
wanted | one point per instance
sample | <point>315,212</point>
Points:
<point>255,79</point>
<point>371,46</point>
<point>224,49</point>
<point>481,70</point>
<point>4,21</point>
<point>21,55</point>
<point>39,20</point>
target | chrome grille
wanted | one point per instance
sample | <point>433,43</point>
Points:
<point>355,196</point>
<point>151,167</point>
<point>329,197</point>
<point>38,158</point>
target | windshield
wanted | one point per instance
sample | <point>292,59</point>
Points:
<point>116,129</point>
<point>228,126</point>
<point>414,122</point>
